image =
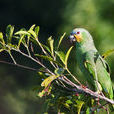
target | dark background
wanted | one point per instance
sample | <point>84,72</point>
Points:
<point>54,18</point>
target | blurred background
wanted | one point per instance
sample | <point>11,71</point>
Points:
<point>54,18</point>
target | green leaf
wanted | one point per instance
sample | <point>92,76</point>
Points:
<point>61,38</point>
<point>41,94</point>
<point>48,80</point>
<point>79,106</point>
<point>1,45</point>
<point>41,74</point>
<point>107,53</point>
<point>1,38</point>
<point>67,55</point>
<point>1,35</point>
<point>9,33</point>
<point>32,33</point>
<point>22,33</point>
<point>69,102</point>
<point>48,59</point>
<point>1,50</point>
<point>88,111</point>
<point>45,57</point>
<point>66,105</point>
<point>24,41</point>
<point>13,46</point>
<point>37,30</point>
<point>21,39</point>
<point>46,47</point>
<point>50,42</point>
<point>61,55</point>
<point>32,27</point>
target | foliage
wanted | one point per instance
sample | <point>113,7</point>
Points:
<point>59,95</point>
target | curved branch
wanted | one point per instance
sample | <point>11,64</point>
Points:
<point>81,90</point>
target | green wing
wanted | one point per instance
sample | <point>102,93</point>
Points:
<point>99,71</point>
<point>104,78</point>
<point>92,70</point>
<point>105,65</point>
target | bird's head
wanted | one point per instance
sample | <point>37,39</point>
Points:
<point>80,36</point>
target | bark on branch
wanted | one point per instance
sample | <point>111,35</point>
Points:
<point>80,89</point>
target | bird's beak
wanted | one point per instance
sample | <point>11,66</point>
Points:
<point>72,38</point>
<point>78,37</point>
<point>75,38</point>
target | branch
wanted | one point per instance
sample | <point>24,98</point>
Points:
<point>37,61</point>
<point>43,50</point>
<point>18,65</point>
<point>81,90</point>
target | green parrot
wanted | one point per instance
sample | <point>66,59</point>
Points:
<point>91,63</point>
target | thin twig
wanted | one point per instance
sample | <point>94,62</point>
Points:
<point>28,51</point>
<point>12,58</point>
<point>101,106</point>
<point>37,61</point>
<point>43,50</point>
<point>73,76</point>
<point>18,65</point>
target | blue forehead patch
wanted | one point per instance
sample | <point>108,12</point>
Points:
<point>73,32</point>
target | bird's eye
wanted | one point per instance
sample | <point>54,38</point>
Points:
<point>78,32</point>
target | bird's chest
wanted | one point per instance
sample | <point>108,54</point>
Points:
<point>80,57</point>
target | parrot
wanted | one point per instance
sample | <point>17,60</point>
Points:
<point>95,69</point>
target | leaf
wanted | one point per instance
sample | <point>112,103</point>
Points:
<point>1,45</point>
<point>67,55</point>
<point>46,47</point>
<point>32,33</point>
<point>22,33</point>
<point>66,105</point>
<point>79,106</point>
<point>1,38</point>
<point>48,80</point>
<point>107,53</point>
<point>24,41</point>
<point>37,30</point>
<point>61,38</point>
<point>88,111</point>
<point>1,50</point>
<point>9,33</point>
<point>61,56</point>
<point>42,75</point>
<point>32,27</point>
<point>48,59</point>
<point>41,94</point>
<point>45,57</point>
<point>69,102</point>
<point>1,35</point>
<point>21,40</point>
<point>13,46</point>
<point>50,42</point>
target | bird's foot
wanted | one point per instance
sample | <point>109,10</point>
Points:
<point>84,87</point>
